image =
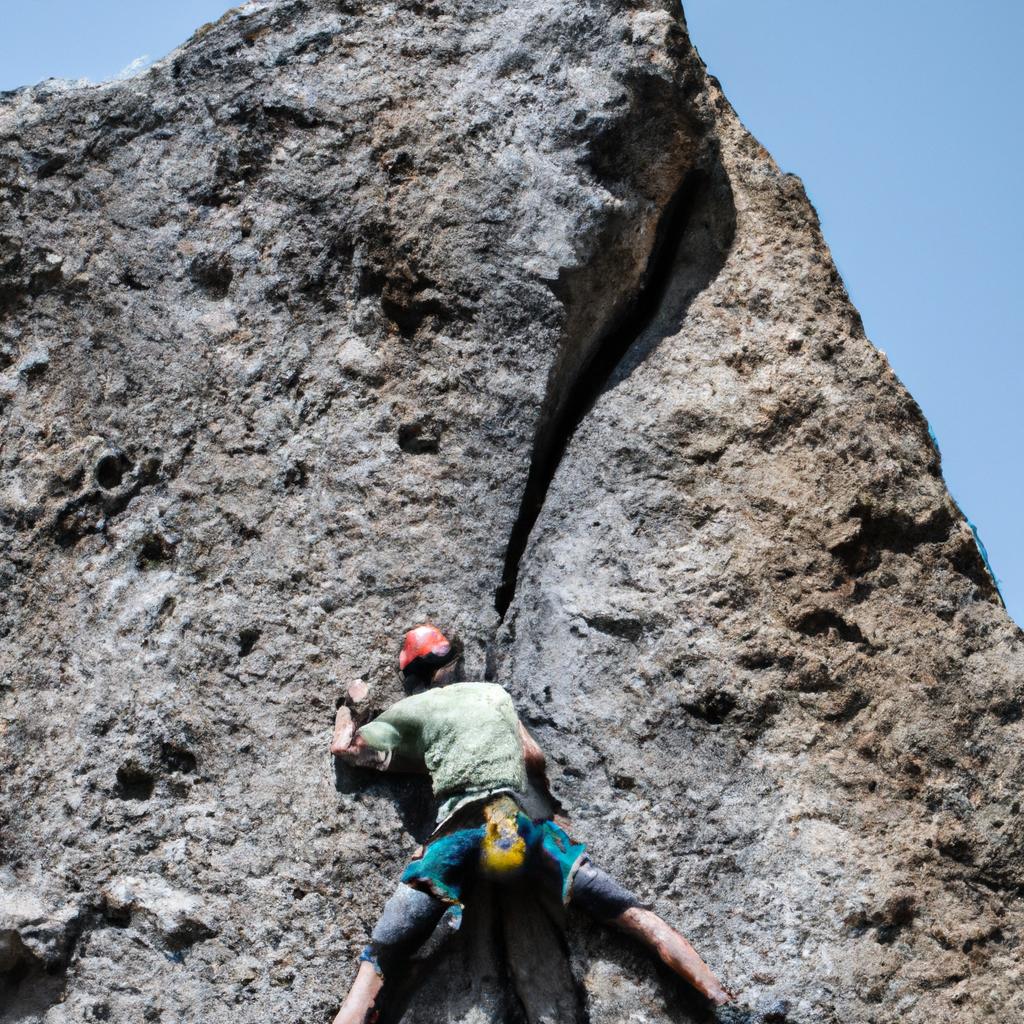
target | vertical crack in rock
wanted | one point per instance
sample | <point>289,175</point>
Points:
<point>693,237</point>
<point>692,240</point>
<point>538,959</point>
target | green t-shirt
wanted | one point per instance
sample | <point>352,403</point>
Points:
<point>466,733</point>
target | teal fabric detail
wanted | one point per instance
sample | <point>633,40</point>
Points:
<point>368,956</point>
<point>449,861</point>
<point>563,854</point>
<point>442,868</point>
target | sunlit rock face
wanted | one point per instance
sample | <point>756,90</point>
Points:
<point>345,316</point>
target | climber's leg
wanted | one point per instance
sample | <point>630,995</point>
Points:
<point>359,1004</point>
<point>598,894</point>
<point>408,920</point>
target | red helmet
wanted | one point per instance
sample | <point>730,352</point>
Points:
<point>426,642</point>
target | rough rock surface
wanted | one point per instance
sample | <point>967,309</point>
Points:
<point>346,315</point>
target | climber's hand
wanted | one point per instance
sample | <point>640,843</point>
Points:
<point>352,748</point>
<point>344,730</point>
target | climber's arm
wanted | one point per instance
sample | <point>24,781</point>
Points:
<point>380,753</point>
<point>536,768</point>
<point>536,763</point>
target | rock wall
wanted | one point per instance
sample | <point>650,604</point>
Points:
<point>348,315</point>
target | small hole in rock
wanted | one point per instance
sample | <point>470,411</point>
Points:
<point>110,470</point>
<point>117,917</point>
<point>177,758</point>
<point>247,639</point>
<point>213,273</point>
<point>155,549</point>
<point>714,707</point>
<point>1009,711</point>
<point>419,438</point>
<point>51,165</point>
<point>134,782</point>
<point>131,281</point>
<point>295,476</point>
<point>149,469</point>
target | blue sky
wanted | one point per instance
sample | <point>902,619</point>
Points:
<point>902,118</point>
<point>94,39</point>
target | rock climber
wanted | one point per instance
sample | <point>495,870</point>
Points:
<point>480,757</point>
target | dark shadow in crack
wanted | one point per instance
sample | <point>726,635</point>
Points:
<point>458,977</point>
<point>693,239</point>
<point>508,963</point>
<point>706,238</point>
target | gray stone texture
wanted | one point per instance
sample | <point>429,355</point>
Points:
<point>305,334</point>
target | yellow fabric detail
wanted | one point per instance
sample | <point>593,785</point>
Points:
<point>503,849</point>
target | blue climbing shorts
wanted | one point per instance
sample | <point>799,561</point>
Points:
<point>501,844</point>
